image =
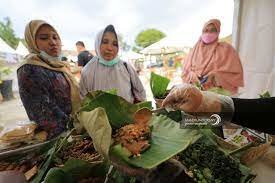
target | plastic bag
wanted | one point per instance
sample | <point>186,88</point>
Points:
<point>17,131</point>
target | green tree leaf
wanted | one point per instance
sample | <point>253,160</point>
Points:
<point>147,37</point>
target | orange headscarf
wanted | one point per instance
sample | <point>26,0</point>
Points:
<point>217,58</point>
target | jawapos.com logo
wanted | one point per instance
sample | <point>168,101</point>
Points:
<point>191,121</point>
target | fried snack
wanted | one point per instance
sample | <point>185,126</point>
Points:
<point>19,132</point>
<point>134,137</point>
<point>41,136</point>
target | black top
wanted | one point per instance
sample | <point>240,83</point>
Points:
<point>84,57</point>
<point>256,114</point>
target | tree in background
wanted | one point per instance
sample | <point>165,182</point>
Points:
<point>7,33</point>
<point>146,38</point>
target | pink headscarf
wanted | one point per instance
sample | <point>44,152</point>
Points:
<point>217,58</point>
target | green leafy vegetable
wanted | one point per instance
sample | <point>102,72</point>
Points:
<point>265,94</point>
<point>208,163</point>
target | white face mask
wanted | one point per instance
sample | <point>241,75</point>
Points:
<point>48,57</point>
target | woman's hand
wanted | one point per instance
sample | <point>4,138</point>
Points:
<point>210,82</point>
<point>185,97</point>
<point>190,99</point>
<point>194,78</point>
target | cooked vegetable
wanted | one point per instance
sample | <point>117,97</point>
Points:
<point>209,164</point>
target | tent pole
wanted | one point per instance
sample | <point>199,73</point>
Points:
<point>238,5</point>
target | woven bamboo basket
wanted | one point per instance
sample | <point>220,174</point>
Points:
<point>250,154</point>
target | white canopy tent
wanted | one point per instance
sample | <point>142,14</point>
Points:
<point>170,44</point>
<point>5,48</point>
<point>131,55</point>
<point>21,49</point>
<point>254,37</point>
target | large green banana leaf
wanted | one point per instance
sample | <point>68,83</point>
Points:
<point>119,111</point>
<point>98,127</point>
<point>158,85</point>
<point>75,169</point>
<point>167,140</point>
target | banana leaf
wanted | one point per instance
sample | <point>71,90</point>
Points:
<point>174,115</point>
<point>98,127</point>
<point>119,111</point>
<point>74,170</point>
<point>158,85</point>
<point>167,140</point>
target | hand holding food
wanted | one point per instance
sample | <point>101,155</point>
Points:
<point>190,99</point>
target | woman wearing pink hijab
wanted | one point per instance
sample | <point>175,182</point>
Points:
<point>212,63</point>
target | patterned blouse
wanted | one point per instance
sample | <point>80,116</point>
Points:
<point>46,97</point>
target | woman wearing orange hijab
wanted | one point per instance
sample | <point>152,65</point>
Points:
<point>47,88</point>
<point>212,63</point>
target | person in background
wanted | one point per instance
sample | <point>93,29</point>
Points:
<point>256,113</point>
<point>106,71</point>
<point>84,56</point>
<point>212,63</point>
<point>48,90</point>
<point>170,62</point>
